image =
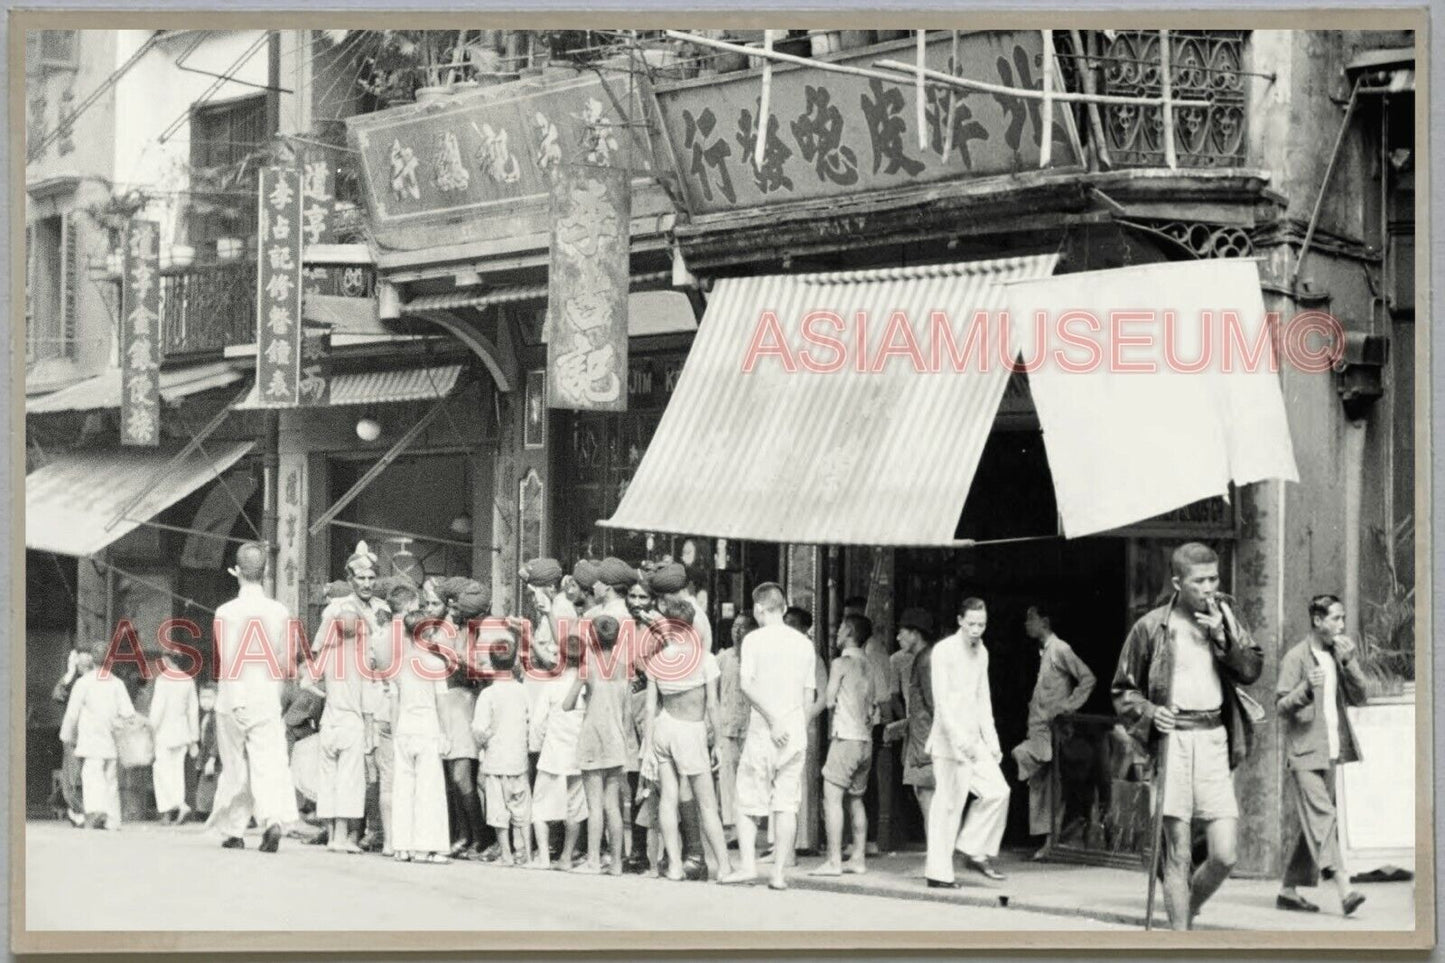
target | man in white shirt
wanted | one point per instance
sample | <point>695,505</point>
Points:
<point>250,632</point>
<point>778,678</point>
<point>964,746</point>
<point>98,702</point>
<point>175,717</point>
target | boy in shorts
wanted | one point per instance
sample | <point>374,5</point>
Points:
<point>851,692</point>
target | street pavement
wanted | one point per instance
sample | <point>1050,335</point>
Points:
<point>147,877</point>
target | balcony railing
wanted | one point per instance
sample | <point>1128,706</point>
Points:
<point>206,308</point>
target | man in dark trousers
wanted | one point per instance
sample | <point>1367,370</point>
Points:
<point>1318,678</point>
<point>1175,686</point>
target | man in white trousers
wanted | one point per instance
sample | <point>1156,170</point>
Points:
<point>175,720</point>
<point>251,645</point>
<point>98,702</point>
<point>964,746</point>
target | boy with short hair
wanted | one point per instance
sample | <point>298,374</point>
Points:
<point>557,793</point>
<point>174,718</point>
<point>852,701</point>
<point>500,727</point>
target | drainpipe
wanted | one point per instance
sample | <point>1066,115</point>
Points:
<point>1354,493</point>
<point>1324,184</point>
<point>270,473</point>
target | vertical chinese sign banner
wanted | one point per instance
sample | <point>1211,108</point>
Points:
<point>587,291</point>
<point>315,388</point>
<point>278,289</point>
<point>318,211</point>
<point>140,373</point>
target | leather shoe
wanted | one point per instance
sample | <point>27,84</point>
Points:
<point>1352,902</point>
<point>636,865</point>
<point>940,884</point>
<point>982,865</point>
<point>1297,903</point>
<point>233,842</point>
<point>271,838</point>
<point>694,869</point>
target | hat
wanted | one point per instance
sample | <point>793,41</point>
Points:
<point>362,558</point>
<point>916,618</point>
<point>671,577</point>
<point>451,586</point>
<point>543,571</point>
<point>473,600</point>
<point>586,573</point>
<point>616,573</point>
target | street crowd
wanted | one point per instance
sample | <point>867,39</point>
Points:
<point>608,706</point>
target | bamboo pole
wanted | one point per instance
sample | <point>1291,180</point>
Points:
<point>765,104</point>
<point>1166,86</point>
<point>952,99</point>
<point>1096,123</point>
<point>1046,134</point>
<point>919,91</point>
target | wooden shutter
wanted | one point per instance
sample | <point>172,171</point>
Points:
<point>69,283</point>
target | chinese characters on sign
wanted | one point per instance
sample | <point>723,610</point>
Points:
<point>831,134</point>
<point>140,378</point>
<point>315,386</point>
<point>278,288</point>
<point>587,293</point>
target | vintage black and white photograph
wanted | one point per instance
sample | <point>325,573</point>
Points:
<point>522,484</point>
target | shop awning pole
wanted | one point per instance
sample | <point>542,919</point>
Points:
<point>196,441</point>
<point>381,465</point>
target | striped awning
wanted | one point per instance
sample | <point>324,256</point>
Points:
<point>70,502</point>
<point>383,387</point>
<point>882,457</point>
<point>103,391</point>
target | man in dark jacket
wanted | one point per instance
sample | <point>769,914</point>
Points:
<point>1175,689</point>
<point>1318,678</point>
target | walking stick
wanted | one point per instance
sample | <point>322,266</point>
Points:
<point>1157,830</point>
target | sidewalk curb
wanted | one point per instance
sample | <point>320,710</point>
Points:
<point>976,896</point>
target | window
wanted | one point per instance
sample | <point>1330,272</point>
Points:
<point>52,286</point>
<point>223,184</point>
<point>47,50</point>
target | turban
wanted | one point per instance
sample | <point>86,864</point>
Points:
<point>361,559</point>
<point>670,577</point>
<point>473,600</point>
<point>451,587</point>
<point>586,573</point>
<point>616,573</point>
<point>543,571</point>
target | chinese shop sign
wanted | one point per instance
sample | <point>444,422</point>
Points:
<point>836,134</point>
<point>140,377</point>
<point>587,289</point>
<point>315,388</point>
<point>278,288</point>
<point>474,157</point>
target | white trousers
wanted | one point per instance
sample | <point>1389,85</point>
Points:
<point>418,797</point>
<point>100,789</point>
<point>255,776</point>
<point>168,773</point>
<point>983,829</point>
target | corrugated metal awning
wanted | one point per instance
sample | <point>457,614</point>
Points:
<point>103,391</point>
<point>840,457</point>
<point>70,501</point>
<point>383,387</point>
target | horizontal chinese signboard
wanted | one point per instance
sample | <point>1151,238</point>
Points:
<point>839,134</point>
<point>278,289</point>
<point>140,373</point>
<point>472,157</point>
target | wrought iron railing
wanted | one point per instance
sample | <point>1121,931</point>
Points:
<point>208,307</point>
<point>1204,65</point>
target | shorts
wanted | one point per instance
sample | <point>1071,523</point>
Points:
<point>1198,784</point>
<point>848,765</point>
<point>508,800</point>
<point>681,744</point>
<point>770,780</point>
<point>557,797</point>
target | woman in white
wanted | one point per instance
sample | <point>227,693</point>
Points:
<point>418,791</point>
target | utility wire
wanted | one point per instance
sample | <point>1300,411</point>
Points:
<point>67,121</point>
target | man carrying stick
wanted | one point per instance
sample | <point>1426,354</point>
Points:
<point>1175,689</point>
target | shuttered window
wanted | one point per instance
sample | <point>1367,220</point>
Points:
<point>223,184</point>
<point>53,278</point>
<point>70,270</point>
